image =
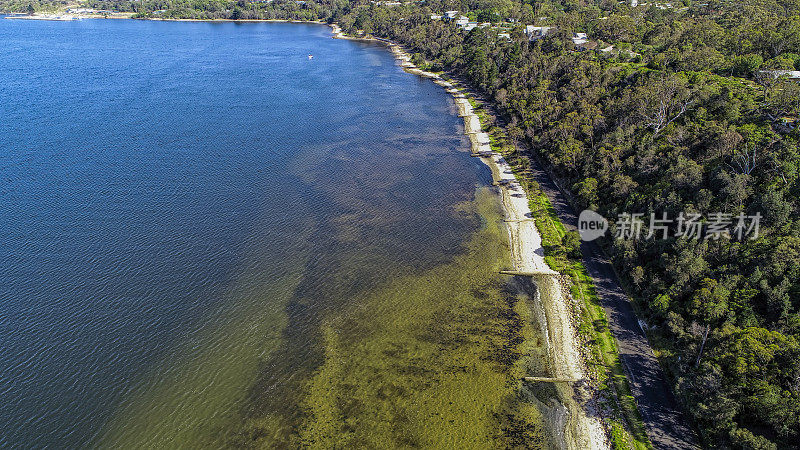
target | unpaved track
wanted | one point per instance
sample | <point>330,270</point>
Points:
<point>665,420</point>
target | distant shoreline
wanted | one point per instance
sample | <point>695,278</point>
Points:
<point>318,22</point>
<point>65,17</point>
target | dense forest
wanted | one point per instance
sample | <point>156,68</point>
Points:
<point>680,108</point>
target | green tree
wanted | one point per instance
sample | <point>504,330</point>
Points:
<point>709,304</point>
<point>587,192</point>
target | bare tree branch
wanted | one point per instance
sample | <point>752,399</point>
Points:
<point>671,102</point>
<point>744,162</point>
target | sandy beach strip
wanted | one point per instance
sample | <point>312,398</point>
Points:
<point>50,17</point>
<point>586,429</point>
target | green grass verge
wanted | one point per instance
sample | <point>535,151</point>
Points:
<point>606,364</point>
<point>626,425</point>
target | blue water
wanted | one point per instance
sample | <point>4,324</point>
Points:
<point>161,183</point>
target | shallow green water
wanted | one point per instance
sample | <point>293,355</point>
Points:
<point>215,241</point>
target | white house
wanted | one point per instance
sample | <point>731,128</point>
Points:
<point>790,74</point>
<point>534,32</point>
<point>462,21</point>
<point>580,38</point>
<point>450,15</point>
<point>436,17</point>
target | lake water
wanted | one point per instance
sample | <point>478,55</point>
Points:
<point>208,239</point>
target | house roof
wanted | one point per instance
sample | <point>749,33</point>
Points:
<point>790,73</point>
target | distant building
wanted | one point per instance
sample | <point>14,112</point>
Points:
<point>634,3</point>
<point>790,74</point>
<point>534,32</point>
<point>436,17</point>
<point>462,21</point>
<point>505,36</point>
<point>450,15</point>
<point>580,38</point>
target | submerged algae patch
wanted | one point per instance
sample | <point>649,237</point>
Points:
<point>192,402</point>
<point>430,360</point>
<point>193,397</point>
